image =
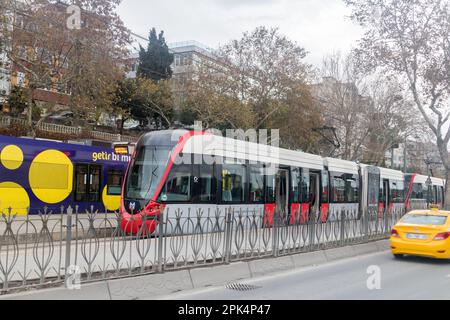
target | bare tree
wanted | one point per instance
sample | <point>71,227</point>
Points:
<point>368,111</point>
<point>344,106</point>
<point>262,81</point>
<point>83,63</point>
<point>411,40</point>
<point>391,119</point>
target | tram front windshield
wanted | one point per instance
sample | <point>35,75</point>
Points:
<point>146,172</point>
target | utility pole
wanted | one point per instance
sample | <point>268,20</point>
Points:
<point>429,183</point>
<point>392,157</point>
<point>405,167</point>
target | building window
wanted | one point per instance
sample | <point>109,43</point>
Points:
<point>177,59</point>
<point>20,79</point>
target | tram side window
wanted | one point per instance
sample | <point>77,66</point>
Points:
<point>338,189</point>
<point>426,192</point>
<point>434,194</point>
<point>440,194</point>
<point>305,195</point>
<point>381,196</point>
<point>325,188</point>
<point>374,188</point>
<point>87,183</point>
<point>94,183</point>
<point>256,183</point>
<point>296,178</point>
<point>178,185</point>
<point>233,183</point>
<point>114,182</point>
<point>207,187</point>
<point>270,189</point>
<point>397,192</point>
<point>417,191</point>
<point>351,189</point>
<point>81,183</point>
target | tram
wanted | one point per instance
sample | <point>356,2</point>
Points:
<point>186,169</point>
<point>39,173</point>
<point>419,190</point>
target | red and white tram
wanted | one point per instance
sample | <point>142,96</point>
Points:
<point>419,191</point>
<point>197,170</point>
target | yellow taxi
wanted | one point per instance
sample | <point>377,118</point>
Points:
<point>422,233</point>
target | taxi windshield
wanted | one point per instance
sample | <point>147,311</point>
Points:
<point>419,219</point>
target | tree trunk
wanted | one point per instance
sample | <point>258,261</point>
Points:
<point>122,123</point>
<point>31,131</point>
<point>447,190</point>
<point>445,157</point>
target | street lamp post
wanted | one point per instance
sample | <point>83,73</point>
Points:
<point>393,147</point>
<point>429,185</point>
<point>405,167</point>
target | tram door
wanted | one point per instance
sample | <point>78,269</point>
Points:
<point>314,185</point>
<point>282,191</point>
<point>373,191</point>
<point>435,195</point>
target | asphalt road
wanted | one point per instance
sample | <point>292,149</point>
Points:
<point>409,278</point>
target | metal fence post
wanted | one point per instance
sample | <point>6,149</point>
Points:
<point>312,229</point>
<point>365,221</point>
<point>68,239</point>
<point>342,221</point>
<point>275,234</point>
<point>160,221</point>
<point>228,235</point>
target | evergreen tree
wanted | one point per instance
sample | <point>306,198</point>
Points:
<point>17,101</point>
<point>155,62</point>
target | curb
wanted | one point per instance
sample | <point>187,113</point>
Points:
<point>219,275</point>
<point>159,285</point>
<point>94,291</point>
<point>147,287</point>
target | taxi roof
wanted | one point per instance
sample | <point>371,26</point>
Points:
<point>430,212</point>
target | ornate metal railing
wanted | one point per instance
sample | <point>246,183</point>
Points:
<point>52,247</point>
<point>62,129</point>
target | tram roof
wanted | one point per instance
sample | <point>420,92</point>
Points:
<point>337,165</point>
<point>391,174</point>
<point>423,179</point>
<point>438,181</point>
<point>244,150</point>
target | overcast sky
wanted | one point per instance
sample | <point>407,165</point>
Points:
<point>321,26</point>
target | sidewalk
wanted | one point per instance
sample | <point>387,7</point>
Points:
<point>159,285</point>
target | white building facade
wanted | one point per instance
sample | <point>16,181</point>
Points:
<point>5,64</point>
